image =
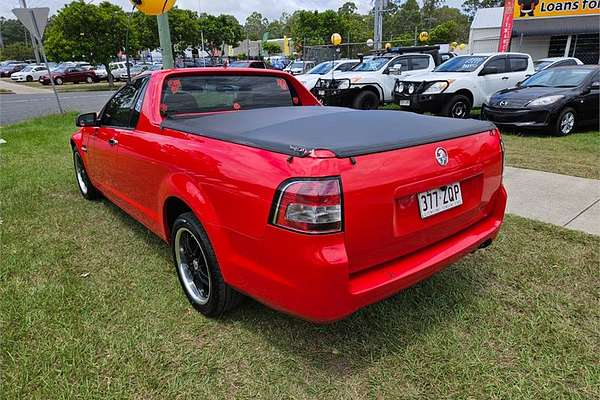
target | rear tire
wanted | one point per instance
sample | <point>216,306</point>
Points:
<point>89,79</point>
<point>366,100</point>
<point>58,81</point>
<point>87,189</point>
<point>459,106</point>
<point>29,78</point>
<point>566,122</point>
<point>198,270</point>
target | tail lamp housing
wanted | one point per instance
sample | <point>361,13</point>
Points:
<point>309,205</point>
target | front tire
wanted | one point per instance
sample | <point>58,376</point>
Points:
<point>566,122</point>
<point>459,106</point>
<point>366,100</point>
<point>29,78</point>
<point>198,270</point>
<point>58,81</point>
<point>87,189</point>
<point>89,79</point>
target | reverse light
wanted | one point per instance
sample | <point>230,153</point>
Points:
<point>436,87</point>
<point>309,205</point>
<point>544,101</point>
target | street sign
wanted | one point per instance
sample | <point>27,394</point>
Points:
<point>34,19</point>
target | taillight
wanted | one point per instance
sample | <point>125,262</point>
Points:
<point>309,205</point>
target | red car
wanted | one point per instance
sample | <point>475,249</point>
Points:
<point>315,211</point>
<point>70,74</point>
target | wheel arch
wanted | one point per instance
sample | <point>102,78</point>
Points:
<point>467,93</point>
<point>375,90</point>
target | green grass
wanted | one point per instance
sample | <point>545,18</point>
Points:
<point>577,154</point>
<point>5,91</point>
<point>80,87</point>
<point>90,307</point>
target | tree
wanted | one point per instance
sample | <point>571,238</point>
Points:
<point>471,6</point>
<point>271,48</point>
<point>85,31</point>
<point>224,29</point>
<point>255,26</point>
<point>447,32</point>
<point>13,32</point>
<point>16,51</point>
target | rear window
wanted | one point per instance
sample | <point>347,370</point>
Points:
<point>200,94</point>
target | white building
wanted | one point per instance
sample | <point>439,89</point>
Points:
<point>548,33</point>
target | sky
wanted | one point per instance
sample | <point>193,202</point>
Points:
<point>271,9</point>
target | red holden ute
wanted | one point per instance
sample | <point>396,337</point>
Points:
<point>261,191</point>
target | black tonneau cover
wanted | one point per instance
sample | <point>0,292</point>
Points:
<point>298,130</point>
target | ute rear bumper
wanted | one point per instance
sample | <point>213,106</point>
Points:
<point>313,282</point>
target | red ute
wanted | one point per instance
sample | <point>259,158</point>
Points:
<point>315,211</point>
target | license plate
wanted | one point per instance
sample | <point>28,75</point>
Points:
<point>441,199</point>
<point>405,103</point>
<point>321,93</point>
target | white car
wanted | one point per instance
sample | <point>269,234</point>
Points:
<point>100,71</point>
<point>326,69</point>
<point>463,82</point>
<point>299,67</point>
<point>552,62</point>
<point>118,68</point>
<point>30,73</point>
<point>371,83</point>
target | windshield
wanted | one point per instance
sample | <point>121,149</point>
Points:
<point>558,78</point>
<point>201,93</point>
<point>27,68</point>
<point>372,64</point>
<point>540,65</point>
<point>461,64</point>
<point>297,64</point>
<point>322,69</point>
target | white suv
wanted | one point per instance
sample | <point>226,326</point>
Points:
<point>371,83</point>
<point>462,83</point>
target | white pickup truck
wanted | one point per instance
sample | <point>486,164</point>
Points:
<point>371,83</point>
<point>463,82</point>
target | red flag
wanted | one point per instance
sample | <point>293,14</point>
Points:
<point>506,28</point>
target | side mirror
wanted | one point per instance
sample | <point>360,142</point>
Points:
<point>595,85</point>
<point>396,69</point>
<point>489,71</point>
<point>519,84</point>
<point>88,119</point>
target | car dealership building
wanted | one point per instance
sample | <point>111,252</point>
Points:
<point>543,28</point>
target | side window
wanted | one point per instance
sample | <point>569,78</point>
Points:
<point>499,63</point>
<point>346,66</point>
<point>420,63</point>
<point>518,64</point>
<point>403,61</point>
<point>565,63</point>
<point>123,109</point>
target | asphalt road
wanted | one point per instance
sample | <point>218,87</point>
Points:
<point>19,107</point>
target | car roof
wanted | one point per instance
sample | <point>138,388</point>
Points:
<point>591,67</point>
<point>510,53</point>
<point>556,58</point>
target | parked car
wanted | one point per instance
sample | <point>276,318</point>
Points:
<point>371,83</point>
<point>553,62</point>
<point>100,71</point>
<point>557,99</point>
<point>118,68</point>
<point>9,69</point>
<point>326,69</point>
<point>248,64</point>
<point>299,67</point>
<point>315,211</point>
<point>69,74</point>
<point>135,71</point>
<point>29,74</point>
<point>462,82</point>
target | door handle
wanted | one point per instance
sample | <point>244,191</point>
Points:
<point>504,78</point>
<point>113,141</point>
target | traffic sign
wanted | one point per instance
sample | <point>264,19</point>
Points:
<point>34,20</point>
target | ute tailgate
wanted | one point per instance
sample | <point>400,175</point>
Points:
<point>382,218</point>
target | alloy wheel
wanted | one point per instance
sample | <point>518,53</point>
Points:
<point>193,266</point>
<point>567,123</point>
<point>82,178</point>
<point>459,110</point>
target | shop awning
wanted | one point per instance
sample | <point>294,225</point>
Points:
<point>557,26</point>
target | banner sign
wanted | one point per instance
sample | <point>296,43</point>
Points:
<point>555,8</point>
<point>507,25</point>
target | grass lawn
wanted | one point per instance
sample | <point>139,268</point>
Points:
<point>5,91</point>
<point>90,307</point>
<point>80,87</point>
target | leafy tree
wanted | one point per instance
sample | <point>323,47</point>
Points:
<point>447,32</point>
<point>471,6</point>
<point>445,14</point>
<point>16,51</point>
<point>14,32</point>
<point>355,26</point>
<point>255,26</point>
<point>224,29</point>
<point>85,31</point>
<point>183,25</point>
<point>271,48</point>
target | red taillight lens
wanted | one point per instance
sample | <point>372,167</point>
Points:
<point>309,206</point>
